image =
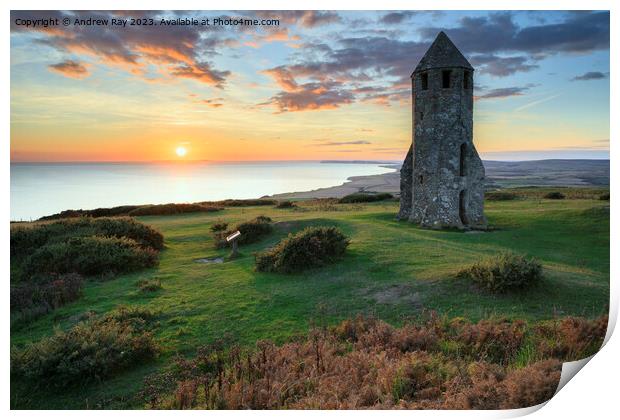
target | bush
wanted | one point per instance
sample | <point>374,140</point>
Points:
<point>27,237</point>
<point>555,195</point>
<point>242,203</point>
<point>571,338</point>
<point>219,226</point>
<point>505,272</point>
<point>495,340</point>
<point>361,363</point>
<point>365,197</point>
<point>139,210</point>
<point>35,244</point>
<point>91,350</point>
<point>285,204</point>
<point>91,255</point>
<point>500,196</point>
<point>126,227</point>
<point>30,300</point>
<point>100,212</point>
<point>251,231</point>
<point>312,247</point>
<point>171,208</point>
<point>604,197</point>
<point>149,285</point>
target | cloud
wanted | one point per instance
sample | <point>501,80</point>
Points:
<point>536,102</point>
<point>396,17</point>
<point>283,77</point>
<point>501,93</point>
<point>70,68</point>
<point>496,45</point>
<point>579,32</point>
<point>311,97</point>
<point>313,18</point>
<point>351,65</point>
<point>213,103</point>
<point>303,18</point>
<point>201,72</point>
<point>343,143</point>
<point>177,51</point>
<point>273,35</point>
<point>501,66</point>
<point>591,75</point>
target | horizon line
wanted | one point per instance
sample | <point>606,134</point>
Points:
<point>262,161</point>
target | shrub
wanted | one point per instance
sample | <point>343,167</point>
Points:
<point>495,340</point>
<point>90,255</point>
<point>312,247</point>
<point>251,231</point>
<point>92,350</point>
<point>604,196</point>
<point>357,365</point>
<point>30,300</point>
<point>488,387</point>
<point>126,227</point>
<point>35,244</point>
<point>100,212</point>
<point>500,196</point>
<point>555,195</point>
<point>505,272</point>
<point>139,210</point>
<point>286,204</point>
<point>242,203</point>
<point>26,238</point>
<point>149,285</point>
<point>365,197</point>
<point>531,385</point>
<point>171,208</point>
<point>219,226</point>
<point>571,338</point>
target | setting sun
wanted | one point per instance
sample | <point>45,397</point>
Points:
<point>181,151</point>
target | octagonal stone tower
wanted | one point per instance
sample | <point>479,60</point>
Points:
<point>442,177</point>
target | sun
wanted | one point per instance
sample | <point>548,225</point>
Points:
<point>181,151</point>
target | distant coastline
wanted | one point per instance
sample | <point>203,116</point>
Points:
<point>113,184</point>
<point>499,174</point>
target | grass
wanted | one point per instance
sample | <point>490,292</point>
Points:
<point>392,270</point>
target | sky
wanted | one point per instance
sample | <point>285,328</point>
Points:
<point>320,85</point>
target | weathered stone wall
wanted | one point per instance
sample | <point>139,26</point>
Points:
<point>406,175</point>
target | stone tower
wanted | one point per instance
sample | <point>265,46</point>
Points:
<point>442,177</point>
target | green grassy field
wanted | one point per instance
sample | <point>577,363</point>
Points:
<point>392,270</point>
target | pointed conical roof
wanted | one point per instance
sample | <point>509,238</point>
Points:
<point>442,53</point>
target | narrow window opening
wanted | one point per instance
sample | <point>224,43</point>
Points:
<point>421,116</point>
<point>421,179</point>
<point>424,79</point>
<point>462,159</point>
<point>445,78</point>
<point>462,212</point>
<point>465,79</point>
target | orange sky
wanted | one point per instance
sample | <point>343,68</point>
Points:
<point>312,89</point>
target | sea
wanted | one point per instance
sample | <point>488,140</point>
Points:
<point>40,189</point>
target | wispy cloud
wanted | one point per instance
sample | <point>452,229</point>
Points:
<point>538,102</point>
<point>500,93</point>
<point>591,75</point>
<point>342,143</point>
<point>70,68</point>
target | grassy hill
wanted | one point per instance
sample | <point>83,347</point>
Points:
<point>392,270</point>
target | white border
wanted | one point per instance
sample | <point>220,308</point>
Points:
<point>591,395</point>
